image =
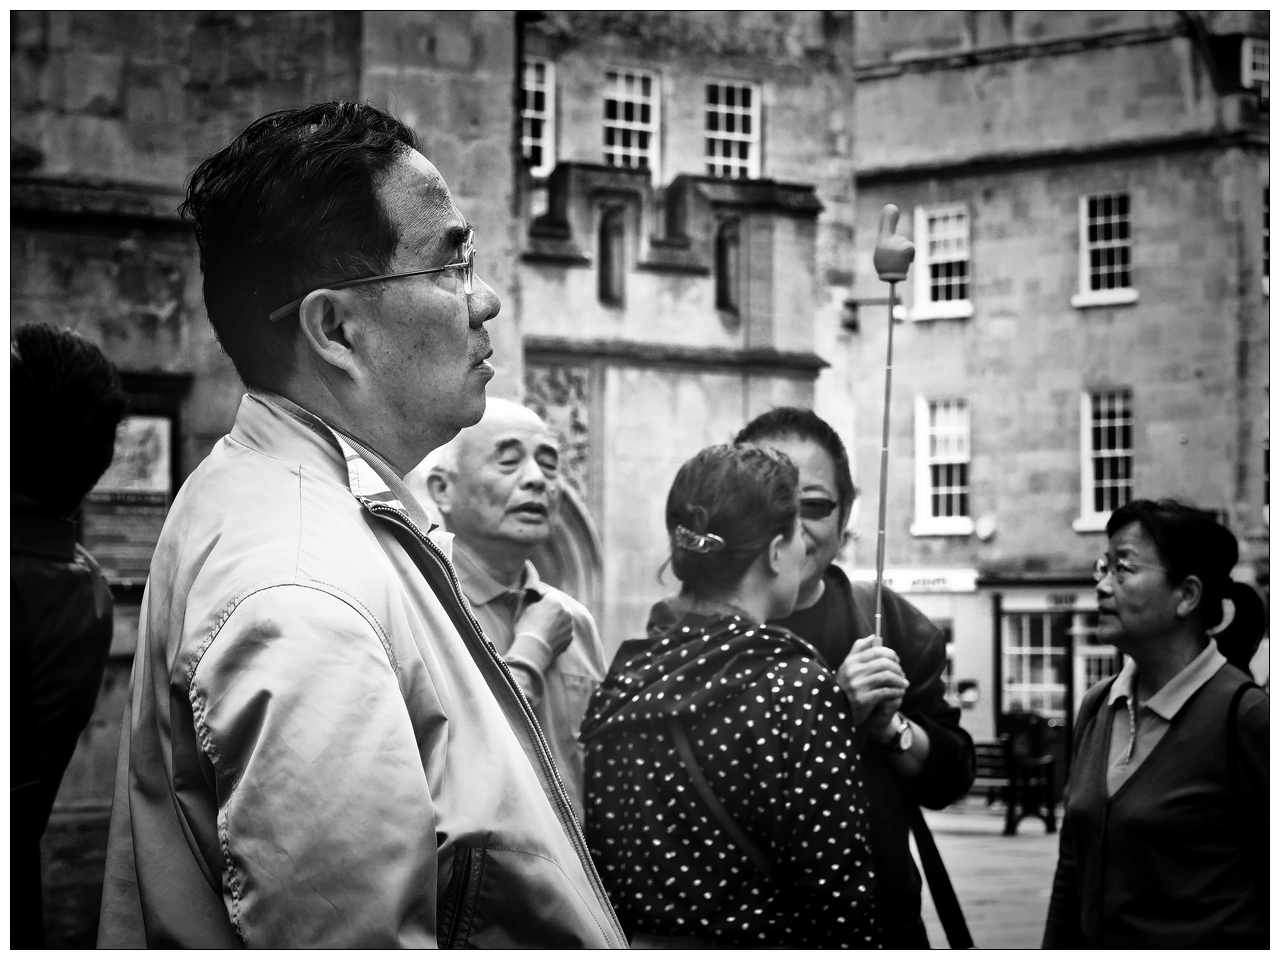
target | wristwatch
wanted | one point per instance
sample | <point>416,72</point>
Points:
<point>900,741</point>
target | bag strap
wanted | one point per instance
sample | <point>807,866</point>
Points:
<point>935,872</point>
<point>736,833</point>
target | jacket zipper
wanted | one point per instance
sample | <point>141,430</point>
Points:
<point>464,882</point>
<point>552,775</point>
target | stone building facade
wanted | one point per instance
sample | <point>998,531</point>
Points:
<point>1086,194</point>
<point>678,211</point>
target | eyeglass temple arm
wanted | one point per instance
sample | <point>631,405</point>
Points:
<point>293,305</point>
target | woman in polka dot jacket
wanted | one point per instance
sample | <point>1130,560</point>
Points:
<point>769,729</point>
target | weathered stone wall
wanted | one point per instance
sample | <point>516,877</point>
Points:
<point>1026,354</point>
<point>798,273</point>
<point>1033,100</point>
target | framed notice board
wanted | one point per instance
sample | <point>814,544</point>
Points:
<point>123,514</point>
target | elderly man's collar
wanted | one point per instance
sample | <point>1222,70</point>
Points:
<point>480,586</point>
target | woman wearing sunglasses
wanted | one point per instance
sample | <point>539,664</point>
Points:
<point>1164,838</point>
<point>725,804</point>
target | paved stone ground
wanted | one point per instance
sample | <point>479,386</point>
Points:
<point>1002,883</point>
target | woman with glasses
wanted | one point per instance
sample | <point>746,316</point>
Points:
<point>725,804</point>
<point>1164,837</point>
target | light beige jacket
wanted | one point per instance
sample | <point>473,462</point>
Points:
<point>321,749</point>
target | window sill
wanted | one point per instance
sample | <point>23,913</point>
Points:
<point>947,310</point>
<point>1105,298</point>
<point>1093,523</point>
<point>943,527</point>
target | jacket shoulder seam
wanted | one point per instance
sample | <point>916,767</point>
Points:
<point>206,740</point>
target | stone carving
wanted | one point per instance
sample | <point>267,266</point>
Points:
<point>561,395</point>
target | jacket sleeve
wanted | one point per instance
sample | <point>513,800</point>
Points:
<point>951,765</point>
<point>325,819</point>
<point>1062,929</point>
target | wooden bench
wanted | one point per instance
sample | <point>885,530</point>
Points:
<point>1023,784</point>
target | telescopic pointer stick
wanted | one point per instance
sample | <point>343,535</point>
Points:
<point>892,259</point>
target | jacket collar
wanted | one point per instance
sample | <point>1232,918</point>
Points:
<point>480,587</point>
<point>1173,696</point>
<point>278,427</point>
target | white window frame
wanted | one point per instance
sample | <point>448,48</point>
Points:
<point>1250,76</point>
<point>1091,520</point>
<point>653,128</point>
<point>927,525</point>
<point>922,308</point>
<point>1087,297</point>
<point>753,140</point>
<point>548,116</point>
<point>1033,696</point>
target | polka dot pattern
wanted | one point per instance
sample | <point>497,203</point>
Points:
<point>773,736</point>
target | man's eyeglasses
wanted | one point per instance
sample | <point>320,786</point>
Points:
<point>816,508</point>
<point>467,265</point>
<point>1119,569</point>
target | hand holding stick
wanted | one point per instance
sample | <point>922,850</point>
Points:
<point>892,259</point>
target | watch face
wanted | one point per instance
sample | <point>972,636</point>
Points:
<point>905,737</point>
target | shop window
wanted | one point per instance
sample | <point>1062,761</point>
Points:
<point>631,105</point>
<point>1106,456</point>
<point>732,129</point>
<point>1106,251</point>
<point>942,281</point>
<point>538,116</point>
<point>942,467</point>
<point>612,258</point>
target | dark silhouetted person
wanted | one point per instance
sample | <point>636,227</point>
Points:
<point>66,403</point>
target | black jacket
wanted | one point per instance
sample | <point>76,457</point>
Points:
<point>949,770</point>
<point>59,638</point>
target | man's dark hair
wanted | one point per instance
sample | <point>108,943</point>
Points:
<point>1190,542</point>
<point>745,496</point>
<point>794,423</point>
<point>66,403</point>
<point>289,205</point>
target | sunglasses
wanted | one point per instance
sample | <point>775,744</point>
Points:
<point>816,508</point>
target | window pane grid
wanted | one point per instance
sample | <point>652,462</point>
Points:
<point>1108,239</point>
<point>535,114</point>
<point>1035,658</point>
<point>946,250</point>
<point>731,145</point>
<point>1111,443</point>
<point>630,121</point>
<point>948,458</point>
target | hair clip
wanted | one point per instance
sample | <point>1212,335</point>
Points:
<point>697,542</point>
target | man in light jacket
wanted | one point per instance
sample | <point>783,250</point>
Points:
<point>499,487</point>
<point>321,748</point>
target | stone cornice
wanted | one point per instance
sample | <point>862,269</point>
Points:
<point>1020,51</point>
<point>635,353</point>
<point>1086,153</point>
<point>48,197</point>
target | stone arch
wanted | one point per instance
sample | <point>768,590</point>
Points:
<point>570,560</point>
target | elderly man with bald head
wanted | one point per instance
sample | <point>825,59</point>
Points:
<point>498,486</point>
